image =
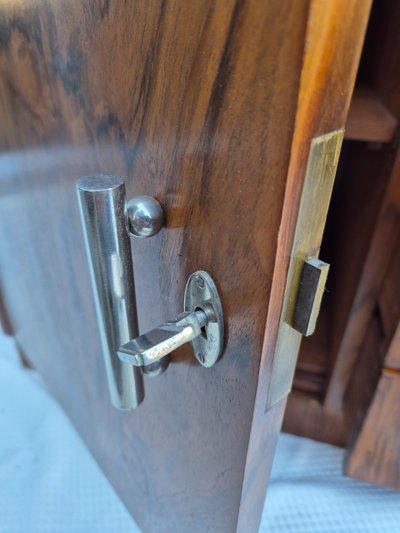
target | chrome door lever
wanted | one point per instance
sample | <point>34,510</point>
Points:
<point>201,324</point>
<point>159,342</point>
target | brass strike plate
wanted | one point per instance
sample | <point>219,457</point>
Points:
<point>318,184</point>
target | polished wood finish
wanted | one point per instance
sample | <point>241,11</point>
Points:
<point>194,103</point>
<point>368,119</point>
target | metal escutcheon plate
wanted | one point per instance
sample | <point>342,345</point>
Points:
<point>201,293</point>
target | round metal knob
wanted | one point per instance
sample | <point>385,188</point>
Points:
<point>145,216</point>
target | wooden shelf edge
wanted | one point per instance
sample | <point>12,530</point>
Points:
<point>368,119</point>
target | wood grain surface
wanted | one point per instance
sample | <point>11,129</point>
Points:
<point>193,103</point>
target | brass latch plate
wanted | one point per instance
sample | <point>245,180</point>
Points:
<point>318,184</point>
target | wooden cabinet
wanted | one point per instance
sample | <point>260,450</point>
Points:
<point>211,107</point>
<point>346,382</point>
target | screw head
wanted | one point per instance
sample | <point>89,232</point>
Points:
<point>145,216</point>
<point>200,282</point>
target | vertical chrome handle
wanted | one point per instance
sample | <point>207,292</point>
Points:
<point>102,206</point>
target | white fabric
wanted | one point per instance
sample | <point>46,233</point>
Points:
<point>309,494</point>
<point>50,484</point>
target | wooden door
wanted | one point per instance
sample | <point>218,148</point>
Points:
<point>210,107</point>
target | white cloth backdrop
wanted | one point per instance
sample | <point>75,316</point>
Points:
<point>49,483</point>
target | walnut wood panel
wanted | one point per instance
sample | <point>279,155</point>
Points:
<point>335,34</point>
<point>194,103</point>
<point>375,457</point>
